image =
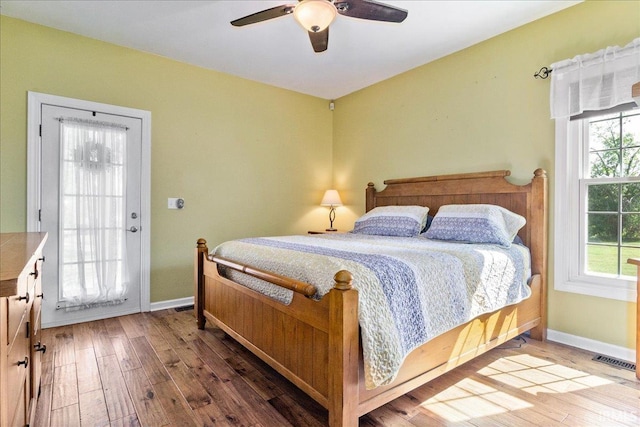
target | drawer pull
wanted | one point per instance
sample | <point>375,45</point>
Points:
<point>41,259</point>
<point>24,362</point>
<point>41,295</point>
<point>34,273</point>
<point>24,298</point>
<point>40,347</point>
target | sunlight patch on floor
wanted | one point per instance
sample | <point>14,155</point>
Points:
<point>535,375</point>
<point>470,399</point>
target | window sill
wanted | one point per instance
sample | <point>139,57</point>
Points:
<point>619,293</point>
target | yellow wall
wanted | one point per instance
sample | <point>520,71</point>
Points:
<point>481,109</point>
<point>233,150</point>
<point>248,159</point>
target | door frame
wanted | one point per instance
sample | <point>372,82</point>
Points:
<point>35,100</point>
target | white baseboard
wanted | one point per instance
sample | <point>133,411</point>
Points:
<point>70,321</point>
<point>594,346</point>
<point>172,303</point>
<point>154,306</point>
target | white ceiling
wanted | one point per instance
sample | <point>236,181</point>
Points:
<point>278,51</point>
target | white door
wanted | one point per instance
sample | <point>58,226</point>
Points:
<point>90,205</point>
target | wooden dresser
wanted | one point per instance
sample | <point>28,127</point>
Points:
<point>20,347</point>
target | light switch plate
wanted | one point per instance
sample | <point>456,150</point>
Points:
<point>175,203</point>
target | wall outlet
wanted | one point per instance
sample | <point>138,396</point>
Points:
<point>175,203</point>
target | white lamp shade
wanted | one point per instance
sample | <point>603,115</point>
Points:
<point>315,15</point>
<point>331,198</point>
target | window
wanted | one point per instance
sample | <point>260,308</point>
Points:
<point>598,205</point>
<point>611,191</point>
<point>597,172</point>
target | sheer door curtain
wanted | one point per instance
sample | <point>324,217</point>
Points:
<point>93,165</point>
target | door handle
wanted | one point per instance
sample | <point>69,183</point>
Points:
<point>133,229</point>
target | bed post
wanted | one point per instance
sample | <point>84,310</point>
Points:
<point>198,294</point>
<point>343,352</point>
<point>370,193</point>
<point>539,243</point>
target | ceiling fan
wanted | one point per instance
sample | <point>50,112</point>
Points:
<point>315,16</point>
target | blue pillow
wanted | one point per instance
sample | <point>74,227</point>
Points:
<point>475,223</point>
<point>400,221</point>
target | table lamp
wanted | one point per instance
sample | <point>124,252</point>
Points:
<point>332,199</point>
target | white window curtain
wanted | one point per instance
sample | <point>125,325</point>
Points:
<point>596,81</point>
<point>92,212</point>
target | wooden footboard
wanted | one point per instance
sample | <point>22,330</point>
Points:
<point>315,344</point>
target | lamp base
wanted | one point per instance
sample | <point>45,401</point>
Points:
<point>331,229</point>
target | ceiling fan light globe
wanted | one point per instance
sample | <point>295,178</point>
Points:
<point>315,15</point>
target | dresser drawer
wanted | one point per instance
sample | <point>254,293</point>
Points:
<point>16,310</point>
<point>19,303</point>
<point>19,415</point>
<point>38,348</point>
<point>18,370</point>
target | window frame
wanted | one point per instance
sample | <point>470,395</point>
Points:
<point>570,220</point>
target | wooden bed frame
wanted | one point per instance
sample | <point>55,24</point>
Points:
<point>315,344</point>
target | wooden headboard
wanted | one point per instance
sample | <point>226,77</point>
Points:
<point>528,200</point>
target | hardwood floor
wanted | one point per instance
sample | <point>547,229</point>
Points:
<point>155,369</point>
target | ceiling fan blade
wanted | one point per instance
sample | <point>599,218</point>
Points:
<point>370,9</point>
<point>319,40</point>
<point>274,12</point>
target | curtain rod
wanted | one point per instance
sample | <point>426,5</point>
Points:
<point>92,122</point>
<point>543,73</point>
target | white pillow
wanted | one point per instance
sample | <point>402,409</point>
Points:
<point>401,221</point>
<point>475,223</point>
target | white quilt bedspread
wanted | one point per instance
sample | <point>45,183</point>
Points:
<point>410,289</point>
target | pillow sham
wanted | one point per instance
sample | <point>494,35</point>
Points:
<point>475,223</point>
<point>400,221</point>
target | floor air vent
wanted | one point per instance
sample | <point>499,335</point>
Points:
<point>185,308</point>
<point>615,362</point>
